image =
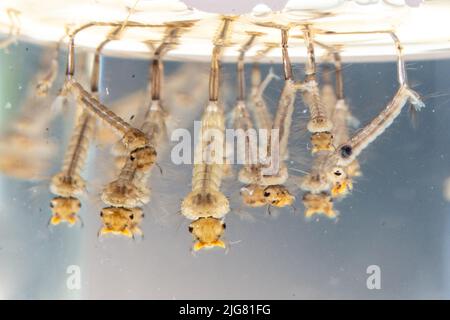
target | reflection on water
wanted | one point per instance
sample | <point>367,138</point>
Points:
<point>395,216</point>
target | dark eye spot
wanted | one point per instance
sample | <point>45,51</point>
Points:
<point>224,226</point>
<point>266,194</point>
<point>101,213</point>
<point>51,205</point>
<point>191,229</point>
<point>131,216</point>
<point>346,151</point>
<point>337,173</point>
<point>79,204</point>
<point>132,157</point>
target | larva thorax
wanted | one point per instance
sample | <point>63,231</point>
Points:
<point>206,200</point>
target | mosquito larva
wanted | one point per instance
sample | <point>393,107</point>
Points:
<point>68,183</point>
<point>206,200</point>
<point>129,190</point>
<point>264,188</point>
<point>348,151</point>
<point>132,138</point>
<point>319,124</point>
<point>320,179</point>
<point>260,189</point>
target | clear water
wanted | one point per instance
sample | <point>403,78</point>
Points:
<point>396,217</point>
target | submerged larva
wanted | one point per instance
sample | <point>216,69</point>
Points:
<point>68,184</point>
<point>264,184</point>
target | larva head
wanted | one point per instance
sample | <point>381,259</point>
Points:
<point>64,210</point>
<point>320,203</point>
<point>278,196</point>
<point>134,139</point>
<point>322,141</point>
<point>21,168</point>
<point>207,232</point>
<point>121,221</point>
<point>144,157</point>
<point>198,204</point>
<point>66,186</point>
<point>319,124</point>
<point>253,195</point>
